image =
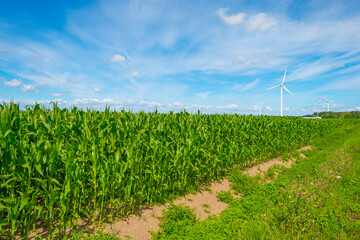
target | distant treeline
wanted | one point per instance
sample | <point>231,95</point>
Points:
<point>353,114</point>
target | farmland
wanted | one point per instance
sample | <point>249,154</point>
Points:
<point>317,198</point>
<point>59,165</point>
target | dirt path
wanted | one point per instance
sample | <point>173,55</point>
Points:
<point>138,227</point>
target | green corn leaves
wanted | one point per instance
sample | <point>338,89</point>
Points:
<point>62,164</point>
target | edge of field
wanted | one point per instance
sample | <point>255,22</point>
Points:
<point>321,145</point>
<point>269,212</point>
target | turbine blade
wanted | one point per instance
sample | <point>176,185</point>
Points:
<point>288,90</point>
<point>284,76</point>
<point>273,87</point>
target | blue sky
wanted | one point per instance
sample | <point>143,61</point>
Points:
<point>213,56</point>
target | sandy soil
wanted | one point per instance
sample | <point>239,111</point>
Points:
<point>138,227</point>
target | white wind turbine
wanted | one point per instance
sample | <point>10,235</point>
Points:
<point>260,109</point>
<point>282,86</point>
<point>328,103</point>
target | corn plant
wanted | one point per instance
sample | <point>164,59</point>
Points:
<point>59,165</point>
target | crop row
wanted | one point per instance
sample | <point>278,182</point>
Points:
<point>65,164</point>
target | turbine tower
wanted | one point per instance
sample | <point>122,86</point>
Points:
<point>260,110</point>
<point>281,95</point>
<point>328,103</point>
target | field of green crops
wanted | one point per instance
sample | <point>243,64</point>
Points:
<point>58,165</point>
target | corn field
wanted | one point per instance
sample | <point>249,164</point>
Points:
<point>59,165</point>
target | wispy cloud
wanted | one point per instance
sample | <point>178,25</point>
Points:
<point>97,89</point>
<point>203,95</point>
<point>260,22</point>
<point>166,51</point>
<point>231,19</point>
<point>117,58</point>
<point>248,86</point>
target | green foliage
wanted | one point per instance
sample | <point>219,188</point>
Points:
<point>225,196</point>
<point>276,168</point>
<point>63,164</point>
<point>317,198</point>
<point>206,188</point>
<point>206,205</point>
<point>242,183</point>
<point>98,236</point>
<point>341,115</point>
<point>175,220</point>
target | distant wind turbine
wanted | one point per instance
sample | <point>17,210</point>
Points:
<point>260,110</point>
<point>282,86</point>
<point>328,104</point>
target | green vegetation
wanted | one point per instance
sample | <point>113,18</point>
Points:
<point>318,198</point>
<point>341,115</point>
<point>271,172</point>
<point>225,196</point>
<point>205,205</point>
<point>98,236</point>
<point>175,218</point>
<point>242,183</point>
<point>206,188</point>
<point>63,164</point>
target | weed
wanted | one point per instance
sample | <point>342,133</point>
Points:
<point>175,220</point>
<point>242,183</point>
<point>225,196</point>
<point>206,188</point>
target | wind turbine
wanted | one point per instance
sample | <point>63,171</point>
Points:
<point>328,104</point>
<point>281,86</point>
<point>260,110</point>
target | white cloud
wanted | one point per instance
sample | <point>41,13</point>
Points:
<point>230,19</point>
<point>268,108</point>
<point>260,22</point>
<point>203,95</point>
<point>117,58</point>
<point>178,104</point>
<point>134,74</point>
<point>246,87</point>
<point>237,87</point>
<point>343,83</point>
<point>28,88</point>
<point>13,83</point>
<point>97,89</point>
<point>229,107</point>
<point>251,85</point>
<point>56,94</point>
